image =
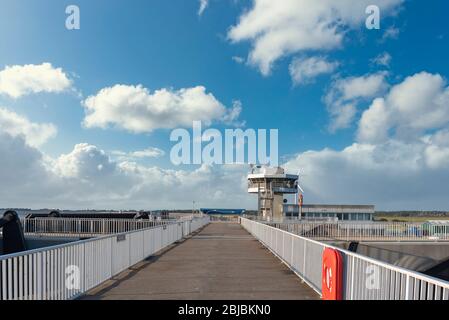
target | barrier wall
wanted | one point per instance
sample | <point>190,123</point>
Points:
<point>364,278</point>
<point>69,270</point>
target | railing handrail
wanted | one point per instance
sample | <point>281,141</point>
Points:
<point>77,242</point>
<point>412,273</point>
<point>341,222</point>
<point>362,230</point>
<point>41,274</point>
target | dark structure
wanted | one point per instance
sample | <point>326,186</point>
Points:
<point>93,215</point>
<point>13,237</point>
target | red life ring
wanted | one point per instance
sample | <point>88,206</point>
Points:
<point>332,275</point>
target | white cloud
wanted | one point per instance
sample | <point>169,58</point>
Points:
<point>17,81</point>
<point>418,104</point>
<point>150,152</point>
<point>383,59</point>
<point>280,28</point>
<point>34,134</point>
<point>390,33</point>
<point>232,115</point>
<point>85,162</point>
<point>342,115</point>
<point>401,158</point>
<point>366,86</point>
<point>303,71</point>
<point>373,126</point>
<point>23,175</point>
<point>437,157</point>
<point>88,178</point>
<point>238,59</point>
<point>136,109</point>
<point>396,172</point>
<point>346,93</point>
<point>392,175</point>
<point>203,6</point>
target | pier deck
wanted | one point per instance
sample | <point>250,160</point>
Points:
<point>221,261</point>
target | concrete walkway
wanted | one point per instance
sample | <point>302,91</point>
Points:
<point>222,261</point>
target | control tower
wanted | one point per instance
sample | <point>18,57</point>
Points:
<point>270,185</point>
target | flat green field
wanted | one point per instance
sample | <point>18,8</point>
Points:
<point>409,219</point>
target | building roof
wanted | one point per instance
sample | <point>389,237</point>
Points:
<point>223,211</point>
<point>273,176</point>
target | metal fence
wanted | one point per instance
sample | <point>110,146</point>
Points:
<point>86,227</point>
<point>364,278</point>
<point>68,271</point>
<point>363,231</point>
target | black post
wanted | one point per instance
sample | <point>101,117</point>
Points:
<point>13,237</point>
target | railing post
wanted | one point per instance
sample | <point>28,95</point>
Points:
<point>112,258</point>
<point>292,252</point>
<point>352,277</point>
<point>83,288</point>
<point>407,288</point>
<point>304,260</point>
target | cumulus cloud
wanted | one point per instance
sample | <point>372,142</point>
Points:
<point>34,134</point>
<point>17,81</point>
<point>383,59</point>
<point>238,59</point>
<point>203,6</point>
<point>89,177</point>
<point>86,162</point>
<point>303,71</point>
<point>342,115</point>
<point>401,158</point>
<point>280,28</point>
<point>136,109</point>
<point>232,115</point>
<point>392,175</point>
<point>150,152</point>
<point>390,33</point>
<point>350,88</point>
<point>418,104</point>
<point>18,160</point>
<point>345,94</point>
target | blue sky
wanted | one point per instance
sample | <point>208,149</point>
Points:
<point>168,44</point>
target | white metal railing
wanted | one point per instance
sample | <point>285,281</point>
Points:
<point>50,273</point>
<point>86,227</point>
<point>363,231</point>
<point>364,278</point>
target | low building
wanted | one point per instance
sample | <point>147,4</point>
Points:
<point>331,212</point>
